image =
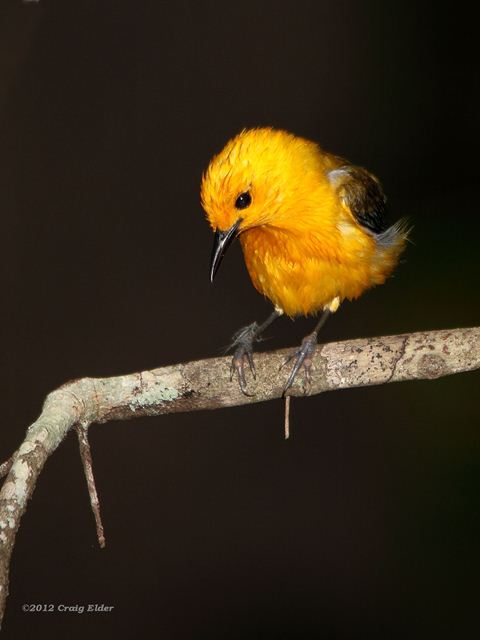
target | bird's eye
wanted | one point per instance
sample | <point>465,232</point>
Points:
<point>243,201</point>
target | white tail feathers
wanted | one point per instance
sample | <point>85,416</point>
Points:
<point>397,234</point>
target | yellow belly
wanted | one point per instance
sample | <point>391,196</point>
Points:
<point>302,274</point>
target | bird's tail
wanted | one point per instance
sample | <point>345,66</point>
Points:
<point>390,244</point>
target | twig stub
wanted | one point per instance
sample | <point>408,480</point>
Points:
<point>86,457</point>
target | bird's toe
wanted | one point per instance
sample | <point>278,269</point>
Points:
<point>303,359</point>
<point>240,358</point>
<point>242,343</point>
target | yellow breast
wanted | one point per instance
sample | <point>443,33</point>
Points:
<point>305,270</point>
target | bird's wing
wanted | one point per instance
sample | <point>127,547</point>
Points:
<point>362,193</point>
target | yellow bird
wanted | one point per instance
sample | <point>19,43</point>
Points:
<point>311,225</point>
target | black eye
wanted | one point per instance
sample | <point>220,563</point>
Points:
<point>243,201</point>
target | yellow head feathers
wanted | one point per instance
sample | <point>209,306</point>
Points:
<point>265,164</point>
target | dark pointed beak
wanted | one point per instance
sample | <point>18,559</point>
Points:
<point>221,242</point>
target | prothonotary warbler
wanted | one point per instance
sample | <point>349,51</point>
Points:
<point>312,228</point>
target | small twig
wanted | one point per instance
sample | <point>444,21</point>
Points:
<point>86,456</point>
<point>287,416</point>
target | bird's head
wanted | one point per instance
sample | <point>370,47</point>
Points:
<point>252,182</point>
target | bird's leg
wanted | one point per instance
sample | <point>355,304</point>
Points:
<point>243,348</point>
<point>303,355</point>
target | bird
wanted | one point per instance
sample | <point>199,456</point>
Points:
<point>312,227</point>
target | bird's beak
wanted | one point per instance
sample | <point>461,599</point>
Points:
<point>221,242</point>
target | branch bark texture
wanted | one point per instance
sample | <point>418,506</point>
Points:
<point>205,384</point>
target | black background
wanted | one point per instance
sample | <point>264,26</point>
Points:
<point>367,521</point>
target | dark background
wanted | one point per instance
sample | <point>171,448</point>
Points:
<point>367,522</point>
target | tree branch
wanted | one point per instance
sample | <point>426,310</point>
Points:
<point>205,384</point>
<point>86,456</point>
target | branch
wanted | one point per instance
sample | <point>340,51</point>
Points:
<point>86,456</point>
<point>205,384</point>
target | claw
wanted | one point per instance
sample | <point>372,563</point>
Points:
<point>238,366</point>
<point>303,359</point>
<point>251,364</point>
<point>243,343</point>
<point>242,347</point>
<point>286,360</point>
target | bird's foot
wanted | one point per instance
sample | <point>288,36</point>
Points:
<point>302,360</point>
<point>243,354</point>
